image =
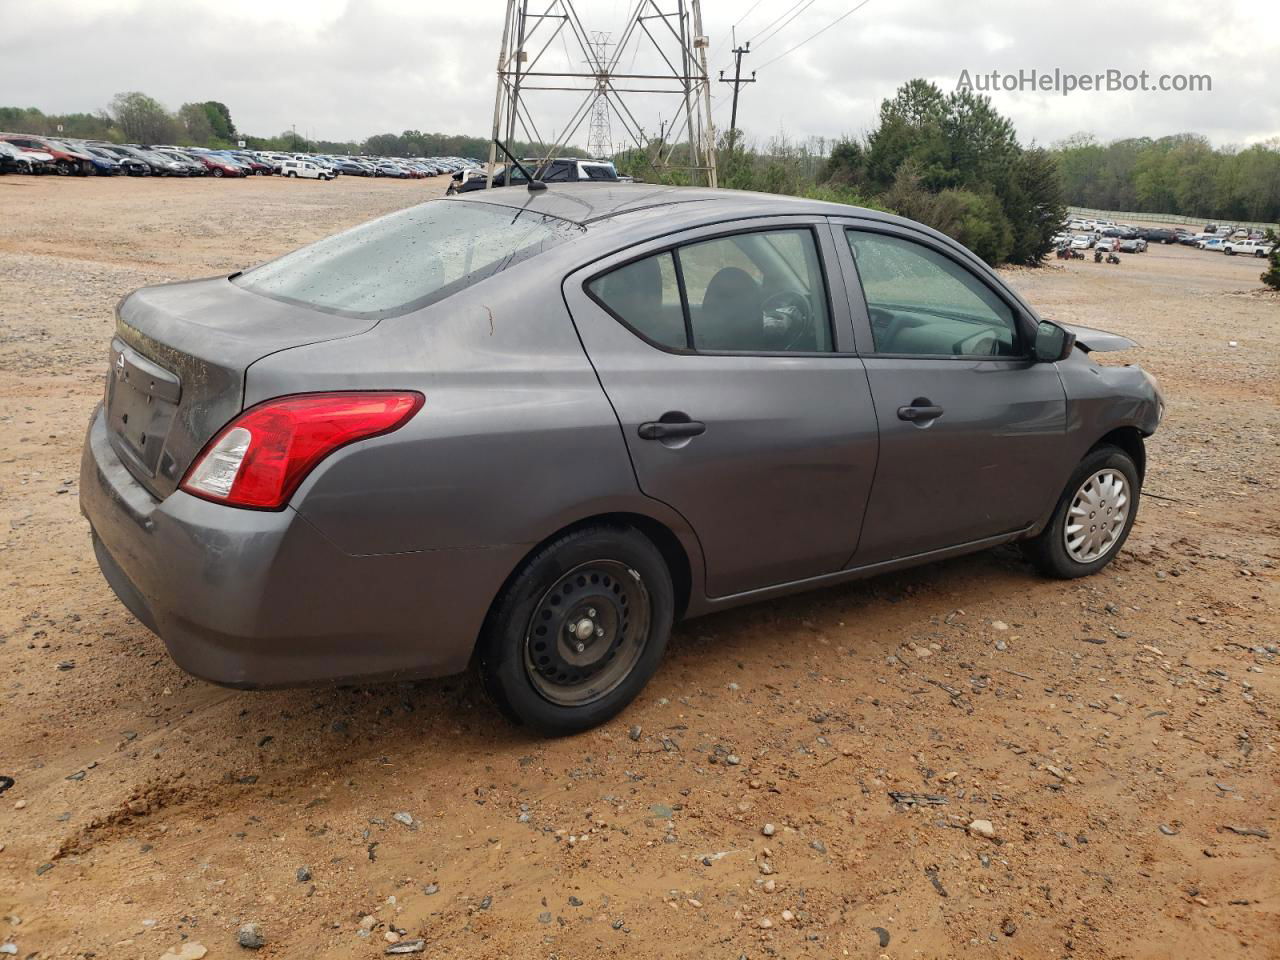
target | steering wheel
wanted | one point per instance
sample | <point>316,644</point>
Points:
<point>788,320</point>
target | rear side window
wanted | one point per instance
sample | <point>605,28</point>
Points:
<point>756,292</point>
<point>408,259</point>
<point>645,295</point>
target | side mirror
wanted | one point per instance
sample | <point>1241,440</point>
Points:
<point>1053,343</point>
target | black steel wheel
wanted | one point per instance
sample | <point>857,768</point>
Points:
<point>587,632</point>
<point>578,630</point>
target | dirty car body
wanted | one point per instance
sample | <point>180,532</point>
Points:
<point>758,394</point>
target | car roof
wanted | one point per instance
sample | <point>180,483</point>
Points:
<point>586,203</point>
<point>621,213</point>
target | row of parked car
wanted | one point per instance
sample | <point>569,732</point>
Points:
<point>1109,236</point>
<point>28,153</point>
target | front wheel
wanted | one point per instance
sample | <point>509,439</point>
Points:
<point>579,630</point>
<point>1092,519</point>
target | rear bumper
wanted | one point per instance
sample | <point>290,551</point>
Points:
<point>251,598</point>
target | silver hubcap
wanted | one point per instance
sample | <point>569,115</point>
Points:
<point>1097,517</point>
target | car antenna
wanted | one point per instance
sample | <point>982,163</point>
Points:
<point>534,185</point>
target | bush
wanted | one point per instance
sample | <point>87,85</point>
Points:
<point>1272,276</point>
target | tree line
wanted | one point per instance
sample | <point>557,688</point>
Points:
<point>1182,174</point>
<point>136,117</point>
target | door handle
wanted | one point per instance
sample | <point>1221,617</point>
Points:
<point>671,429</point>
<point>920,411</point>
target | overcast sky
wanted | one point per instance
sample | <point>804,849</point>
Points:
<point>344,69</point>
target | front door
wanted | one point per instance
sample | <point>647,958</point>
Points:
<point>971,428</point>
<point>738,395</point>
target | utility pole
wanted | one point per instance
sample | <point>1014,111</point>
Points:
<point>738,81</point>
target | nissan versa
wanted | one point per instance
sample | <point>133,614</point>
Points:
<point>531,430</point>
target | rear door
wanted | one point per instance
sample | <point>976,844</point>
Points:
<point>740,399</point>
<point>971,428</point>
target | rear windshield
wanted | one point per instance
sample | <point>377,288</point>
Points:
<point>407,259</point>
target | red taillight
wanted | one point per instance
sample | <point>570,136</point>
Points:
<point>259,458</point>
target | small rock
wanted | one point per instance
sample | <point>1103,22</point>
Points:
<point>788,916</point>
<point>574,902</point>
<point>303,874</point>
<point>768,829</point>
<point>733,760</point>
<point>764,923</point>
<point>982,828</point>
<point>999,625</point>
<point>544,917</point>
<point>635,732</point>
<point>391,936</point>
<point>403,817</point>
<point>368,922</point>
<point>406,946</point>
<point>618,924</point>
<point>250,936</point>
<point>1008,927</point>
<point>883,934</point>
<point>431,888</point>
<point>1167,830</point>
<point>191,950</point>
<point>769,885</point>
<point>819,846</point>
<point>696,904</point>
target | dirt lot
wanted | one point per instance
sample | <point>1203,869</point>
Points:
<point>1119,733</point>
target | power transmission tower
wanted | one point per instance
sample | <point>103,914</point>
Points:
<point>738,82</point>
<point>600,136</point>
<point>669,32</point>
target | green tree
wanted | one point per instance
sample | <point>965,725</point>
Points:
<point>195,121</point>
<point>142,119</point>
<point>220,120</point>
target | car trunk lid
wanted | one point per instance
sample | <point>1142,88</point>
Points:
<point>178,363</point>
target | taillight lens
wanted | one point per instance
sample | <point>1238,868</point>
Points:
<point>259,458</point>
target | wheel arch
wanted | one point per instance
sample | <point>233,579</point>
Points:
<point>1129,439</point>
<point>668,543</point>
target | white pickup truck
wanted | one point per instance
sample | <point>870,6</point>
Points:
<point>1256,248</point>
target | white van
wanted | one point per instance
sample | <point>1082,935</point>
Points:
<point>304,168</point>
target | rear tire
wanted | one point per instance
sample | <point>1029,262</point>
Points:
<point>578,630</point>
<point>1087,531</point>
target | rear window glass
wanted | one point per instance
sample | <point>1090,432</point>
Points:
<point>408,259</point>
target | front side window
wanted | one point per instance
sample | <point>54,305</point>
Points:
<point>408,259</point>
<point>760,292</point>
<point>922,303</point>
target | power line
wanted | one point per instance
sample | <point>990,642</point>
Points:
<point>748,13</point>
<point>770,27</point>
<point>788,21</point>
<point>854,9</point>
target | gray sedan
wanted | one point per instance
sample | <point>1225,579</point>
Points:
<point>530,431</point>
